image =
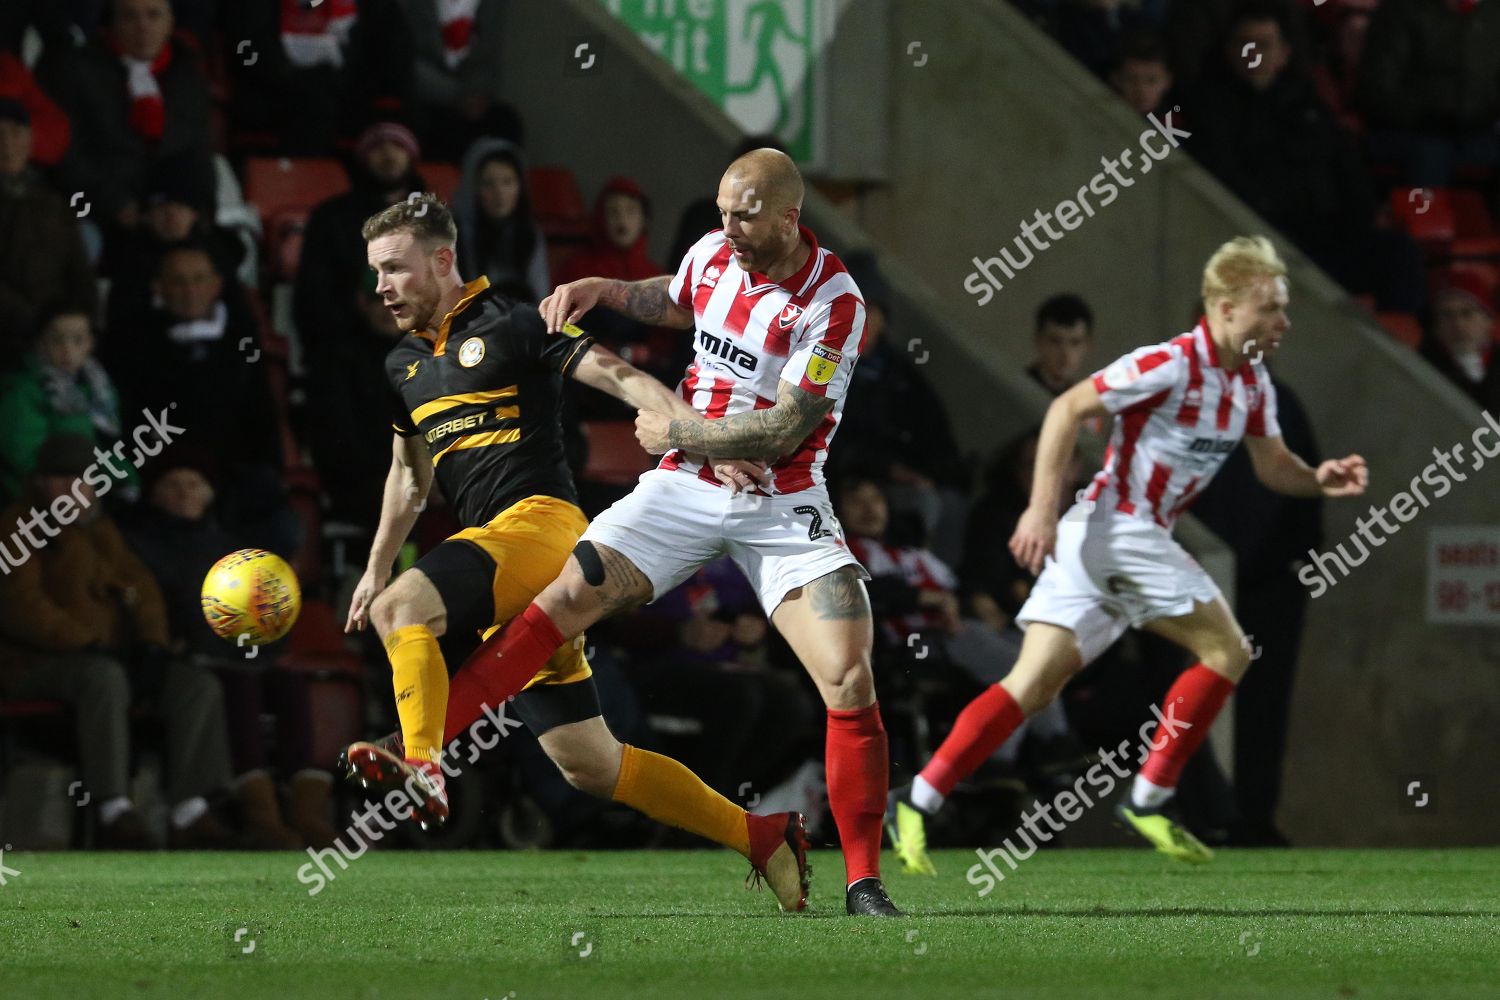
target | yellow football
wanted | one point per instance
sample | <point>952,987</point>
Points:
<point>251,593</point>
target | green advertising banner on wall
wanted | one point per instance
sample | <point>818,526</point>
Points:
<point>756,59</point>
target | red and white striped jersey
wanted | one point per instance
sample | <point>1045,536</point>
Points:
<point>1178,415</point>
<point>917,568</point>
<point>754,333</point>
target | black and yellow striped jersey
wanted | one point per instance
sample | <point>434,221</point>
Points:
<point>485,392</point>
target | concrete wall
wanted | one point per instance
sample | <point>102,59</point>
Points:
<point>995,124</point>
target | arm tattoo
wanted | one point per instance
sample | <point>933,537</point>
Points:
<point>839,595</point>
<point>624,585</point>
<point>645,301</point>
<point>766,434</point>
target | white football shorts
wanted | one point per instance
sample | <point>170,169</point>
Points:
<point>673,522</point>
<point>1109,573</point>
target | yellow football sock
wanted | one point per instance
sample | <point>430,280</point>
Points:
<point>669,793</point>
<point>421,681</point>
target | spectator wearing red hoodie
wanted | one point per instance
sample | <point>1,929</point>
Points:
<point>50,131</point>
<point>617,249</point>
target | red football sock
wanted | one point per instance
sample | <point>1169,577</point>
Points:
<point>499,668</point>
<point>1191,706</point>
<point>858,769</point>
<point>984,724</point>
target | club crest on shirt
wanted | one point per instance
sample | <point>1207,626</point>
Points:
<point>411,370</point>
<point>789,316</point>
<point>711,275</point>
<point>471,353</point>
<point>823,363</point>
<point>1252,396</point>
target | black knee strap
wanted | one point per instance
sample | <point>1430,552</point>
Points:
<point>590,563</point>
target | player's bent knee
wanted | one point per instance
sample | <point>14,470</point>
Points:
<point>847,685</point>
<point>1228,661</point>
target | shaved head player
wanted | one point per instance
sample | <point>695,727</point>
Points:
<point>778,326</point>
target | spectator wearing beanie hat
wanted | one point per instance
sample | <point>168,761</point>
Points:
<point>333,264</point>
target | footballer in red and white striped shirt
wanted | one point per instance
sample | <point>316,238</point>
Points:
<point>1179,408</point>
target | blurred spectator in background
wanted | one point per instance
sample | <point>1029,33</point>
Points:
<point>1460,342</point>
<point>1194,30</point>
<point>914,598</point>
<point>194,355</point>
<point>50,131</point>
<point>1094,30</point>
<point>617,249</point>
<point>1429,86</point>
<point>179,539</point>
<point>61,390</point>
<point>1270,534</point>
<point>135,94</point>
<point>497,234</point>
<point>1141,76</point>
<point>349,414</point>
<point>897,423</point>
<point>1062,338</point>
<point>177,207</point>
<point>1259,125</point>
<point>82,621</point>
<point>42,256</point>
<point>456,85</point>
<point>308,72</point>
<point>333,265</point>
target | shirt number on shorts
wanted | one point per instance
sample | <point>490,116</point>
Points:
<point>815,530</point>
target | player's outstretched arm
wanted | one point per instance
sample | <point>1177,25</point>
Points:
<point>1281,470</point>
<point>406,487</point>
<point>644,301</point>
<point>606,371</point>
<point>1036,531</point>
<point>757,434</point>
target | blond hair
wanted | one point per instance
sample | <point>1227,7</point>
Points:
<point>1239,264</point>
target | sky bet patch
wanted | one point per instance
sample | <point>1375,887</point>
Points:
<point>823,363</point>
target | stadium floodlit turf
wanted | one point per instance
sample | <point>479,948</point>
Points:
<point>408,925</point>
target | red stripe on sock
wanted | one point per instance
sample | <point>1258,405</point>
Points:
<point>500,667</point>
<point>1188,713</point>
<point>858,779</point>
<point>984,724</point>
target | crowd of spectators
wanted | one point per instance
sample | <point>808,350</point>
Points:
<point>135,279</point>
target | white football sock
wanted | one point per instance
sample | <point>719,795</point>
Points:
<point>1146,795</point>
<point>925,797</point>
<point>186,812</point>
<point>112,809</point>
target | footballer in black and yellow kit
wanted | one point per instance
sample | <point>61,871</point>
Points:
<point>477,389</point>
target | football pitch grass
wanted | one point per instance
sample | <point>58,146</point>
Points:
<point>678,924</point>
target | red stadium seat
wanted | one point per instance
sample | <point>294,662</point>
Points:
<point>441,179</point>
<point>1425,213</point>
<point>558,204</point>
<point>1403,327</point>
<point>615,456</point>
<point>276,185</point>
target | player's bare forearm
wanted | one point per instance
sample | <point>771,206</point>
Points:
<point>757,434</point>
<point>1280,470</point>
<point>606,371</point>
<point>405,495</point>
<point>646,301</point>
<point>1058,439</point>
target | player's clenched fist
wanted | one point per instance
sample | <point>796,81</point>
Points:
<point>1034,539</point>
<point>568,303</point>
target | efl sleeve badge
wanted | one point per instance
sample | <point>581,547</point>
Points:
<point>823,364</point>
